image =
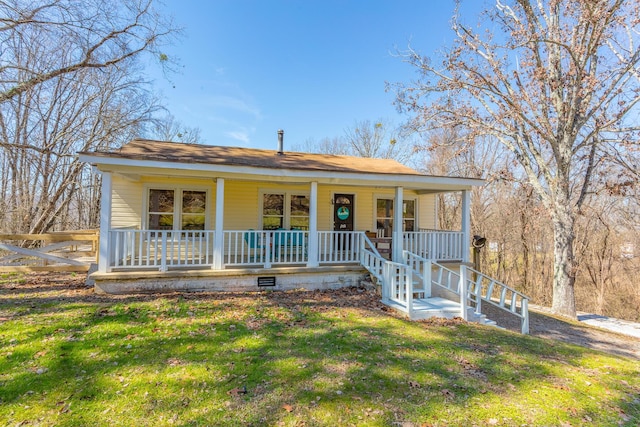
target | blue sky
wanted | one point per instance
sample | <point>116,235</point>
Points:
<point>312,68</point>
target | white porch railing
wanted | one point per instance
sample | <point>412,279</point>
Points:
<point>160,249</point>
<point>421,268</point>
<point>339,247</point>
<point>398,285</point>
<point>163,249</point>
<point>144,249</point>
<point>261,247</point>
<point>401,282</point>
<point>436,244</point>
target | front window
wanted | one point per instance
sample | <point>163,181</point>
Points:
<point>409,215</point>
<point>194,204</point>
<point>299,217</point>
<point>272,211</point>
<point>161,209</point>
<point>384,216</point>
<point>169,209</point>
<point>285,211</point>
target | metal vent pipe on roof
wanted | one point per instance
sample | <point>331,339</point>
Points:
<point>280,142</point>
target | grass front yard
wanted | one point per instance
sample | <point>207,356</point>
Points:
<point>69,357</point>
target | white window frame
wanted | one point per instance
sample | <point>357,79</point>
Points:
<point>177,203</point>
<point>391,197</point>
<point>286,220</point>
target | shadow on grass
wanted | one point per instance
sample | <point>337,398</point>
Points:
<point>263,358</point>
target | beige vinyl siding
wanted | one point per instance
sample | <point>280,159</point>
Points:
<point>126,204</point>
<point>240,205</point>
<point>427,211</point>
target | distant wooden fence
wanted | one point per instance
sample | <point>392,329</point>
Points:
<point>57,251</point>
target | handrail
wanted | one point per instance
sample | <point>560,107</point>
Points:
<point>367,241</point>
<point>482,289</point>
<point>421,268</point>
<point>396,278</point>
<point>507,299</point>
<point>399,284</point>
<point>371,259</point>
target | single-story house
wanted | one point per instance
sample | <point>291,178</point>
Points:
<point>178,216</point>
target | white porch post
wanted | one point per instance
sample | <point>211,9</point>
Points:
<point>466,224</point>
<point>105,223</point>
<point>218,239</point>
<point>396,242</point>
<point>312,248</point>
<point>462,286</point>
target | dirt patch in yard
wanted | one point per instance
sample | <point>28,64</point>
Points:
<point>34,289</point>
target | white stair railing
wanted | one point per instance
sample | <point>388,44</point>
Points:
<point>489,290</point>
<point>371,259</point>
<point>398,283</point>
<point>421,268</point>
<point>476,288</point>
<point>396,279</point>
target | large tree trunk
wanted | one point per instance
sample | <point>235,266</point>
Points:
<point>564,275</point>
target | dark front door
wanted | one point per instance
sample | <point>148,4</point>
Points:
<point>343,212</point>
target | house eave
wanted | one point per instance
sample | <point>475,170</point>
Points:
<point>131,167</point>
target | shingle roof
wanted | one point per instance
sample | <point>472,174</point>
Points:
<point>151,150</point>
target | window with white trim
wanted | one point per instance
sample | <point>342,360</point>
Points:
<point>384,216</point>
<point>176,209</point>
<point>285,211</point>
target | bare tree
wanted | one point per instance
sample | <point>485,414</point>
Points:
<point>168,128</point>
<point>96,34</point>
<point>554,82</point>
<point>335,145</point>
<point>43,128</point>
<point>377,139</point>
<point>365,138</point>
<point>69,81</point>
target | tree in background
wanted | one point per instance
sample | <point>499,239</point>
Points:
<point>94,34</point>
<point>168,128</point>
<point>69,81</point>
<point>554,82</point>
<point>378,139</point>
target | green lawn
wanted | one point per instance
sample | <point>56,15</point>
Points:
<point>296,358</point>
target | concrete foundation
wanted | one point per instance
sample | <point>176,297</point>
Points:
<point>332,277</point>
